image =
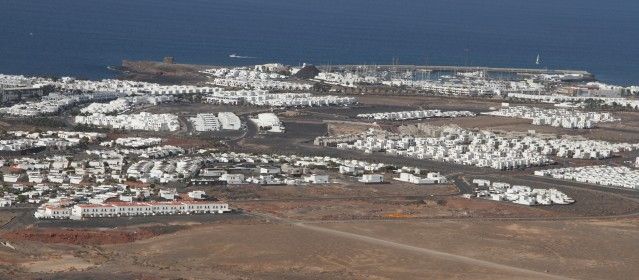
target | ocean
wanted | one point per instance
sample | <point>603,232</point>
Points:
<point>82,37</point>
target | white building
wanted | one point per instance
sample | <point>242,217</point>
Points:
<point>169,194</point>
<point>498,150</point>
<point>205,122</point>
<point>141,121</point>
<point>556,98</point>
<point>523,195</point>
<point>481,182</point>
<point>228,120</point>
<point>603,175</point>
<point>417,114</point>
<point>555,117</point>
<point>269,122</point>
<point>317,179</point>
<point>53,212</point>
<point>197,194</point>
<point>12,178</point>
<point>123,104</point>
<point>351,170</point>
<point>5,202</point>
<point>117,209</point>
<point>372,178</point>
<point>135,142</point>
<point>431,178</point>
<point>232,179</point>
<point>270,170</point>
<point>259,97</point>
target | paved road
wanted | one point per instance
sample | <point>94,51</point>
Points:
<point>463,184</point>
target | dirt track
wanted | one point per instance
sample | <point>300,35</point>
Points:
<point>430,252</point>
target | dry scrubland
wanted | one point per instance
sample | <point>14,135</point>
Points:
<point>405,249</point>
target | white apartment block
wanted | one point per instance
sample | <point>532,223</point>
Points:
<point>417,114</point>
<point>555,117</point>
<point>485,148</point>
<point>117,209</point>
<point>264,98</point>
<point>603,175</point>
<point>372,178</point>
<point>205,122</point>
<point>229,120</point>
<point>141,121</point>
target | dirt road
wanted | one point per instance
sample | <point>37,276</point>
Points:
<point>429,252</point>
<point>425,251</point>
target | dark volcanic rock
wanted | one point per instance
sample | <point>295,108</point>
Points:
<point>162,73</point>
<point>307,72</point>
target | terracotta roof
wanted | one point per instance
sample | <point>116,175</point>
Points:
<point>55,208</point>
<point>204,202</point>
<point>94,206</point>
<point>125,203</point>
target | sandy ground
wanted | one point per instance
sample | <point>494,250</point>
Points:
<point>338,128</point>
<point>342,190</point>
<point>391,208</point>
<point>391,231</point>
<point>406,249</point>
<point>579,249</point>
<point>6,216</point>
<point>266,254</point>
<point>428,102</point>
<point>57,264</point>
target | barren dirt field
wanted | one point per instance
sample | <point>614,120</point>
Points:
<point>428,102</point>
<point>343,231</point>
<point>564,248</point>
<point>6,216</point>
<point>405,249</point>
<point>329,191</point>
<point>344,128</point>
<point>391,208</point>
<point>76,236</point>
